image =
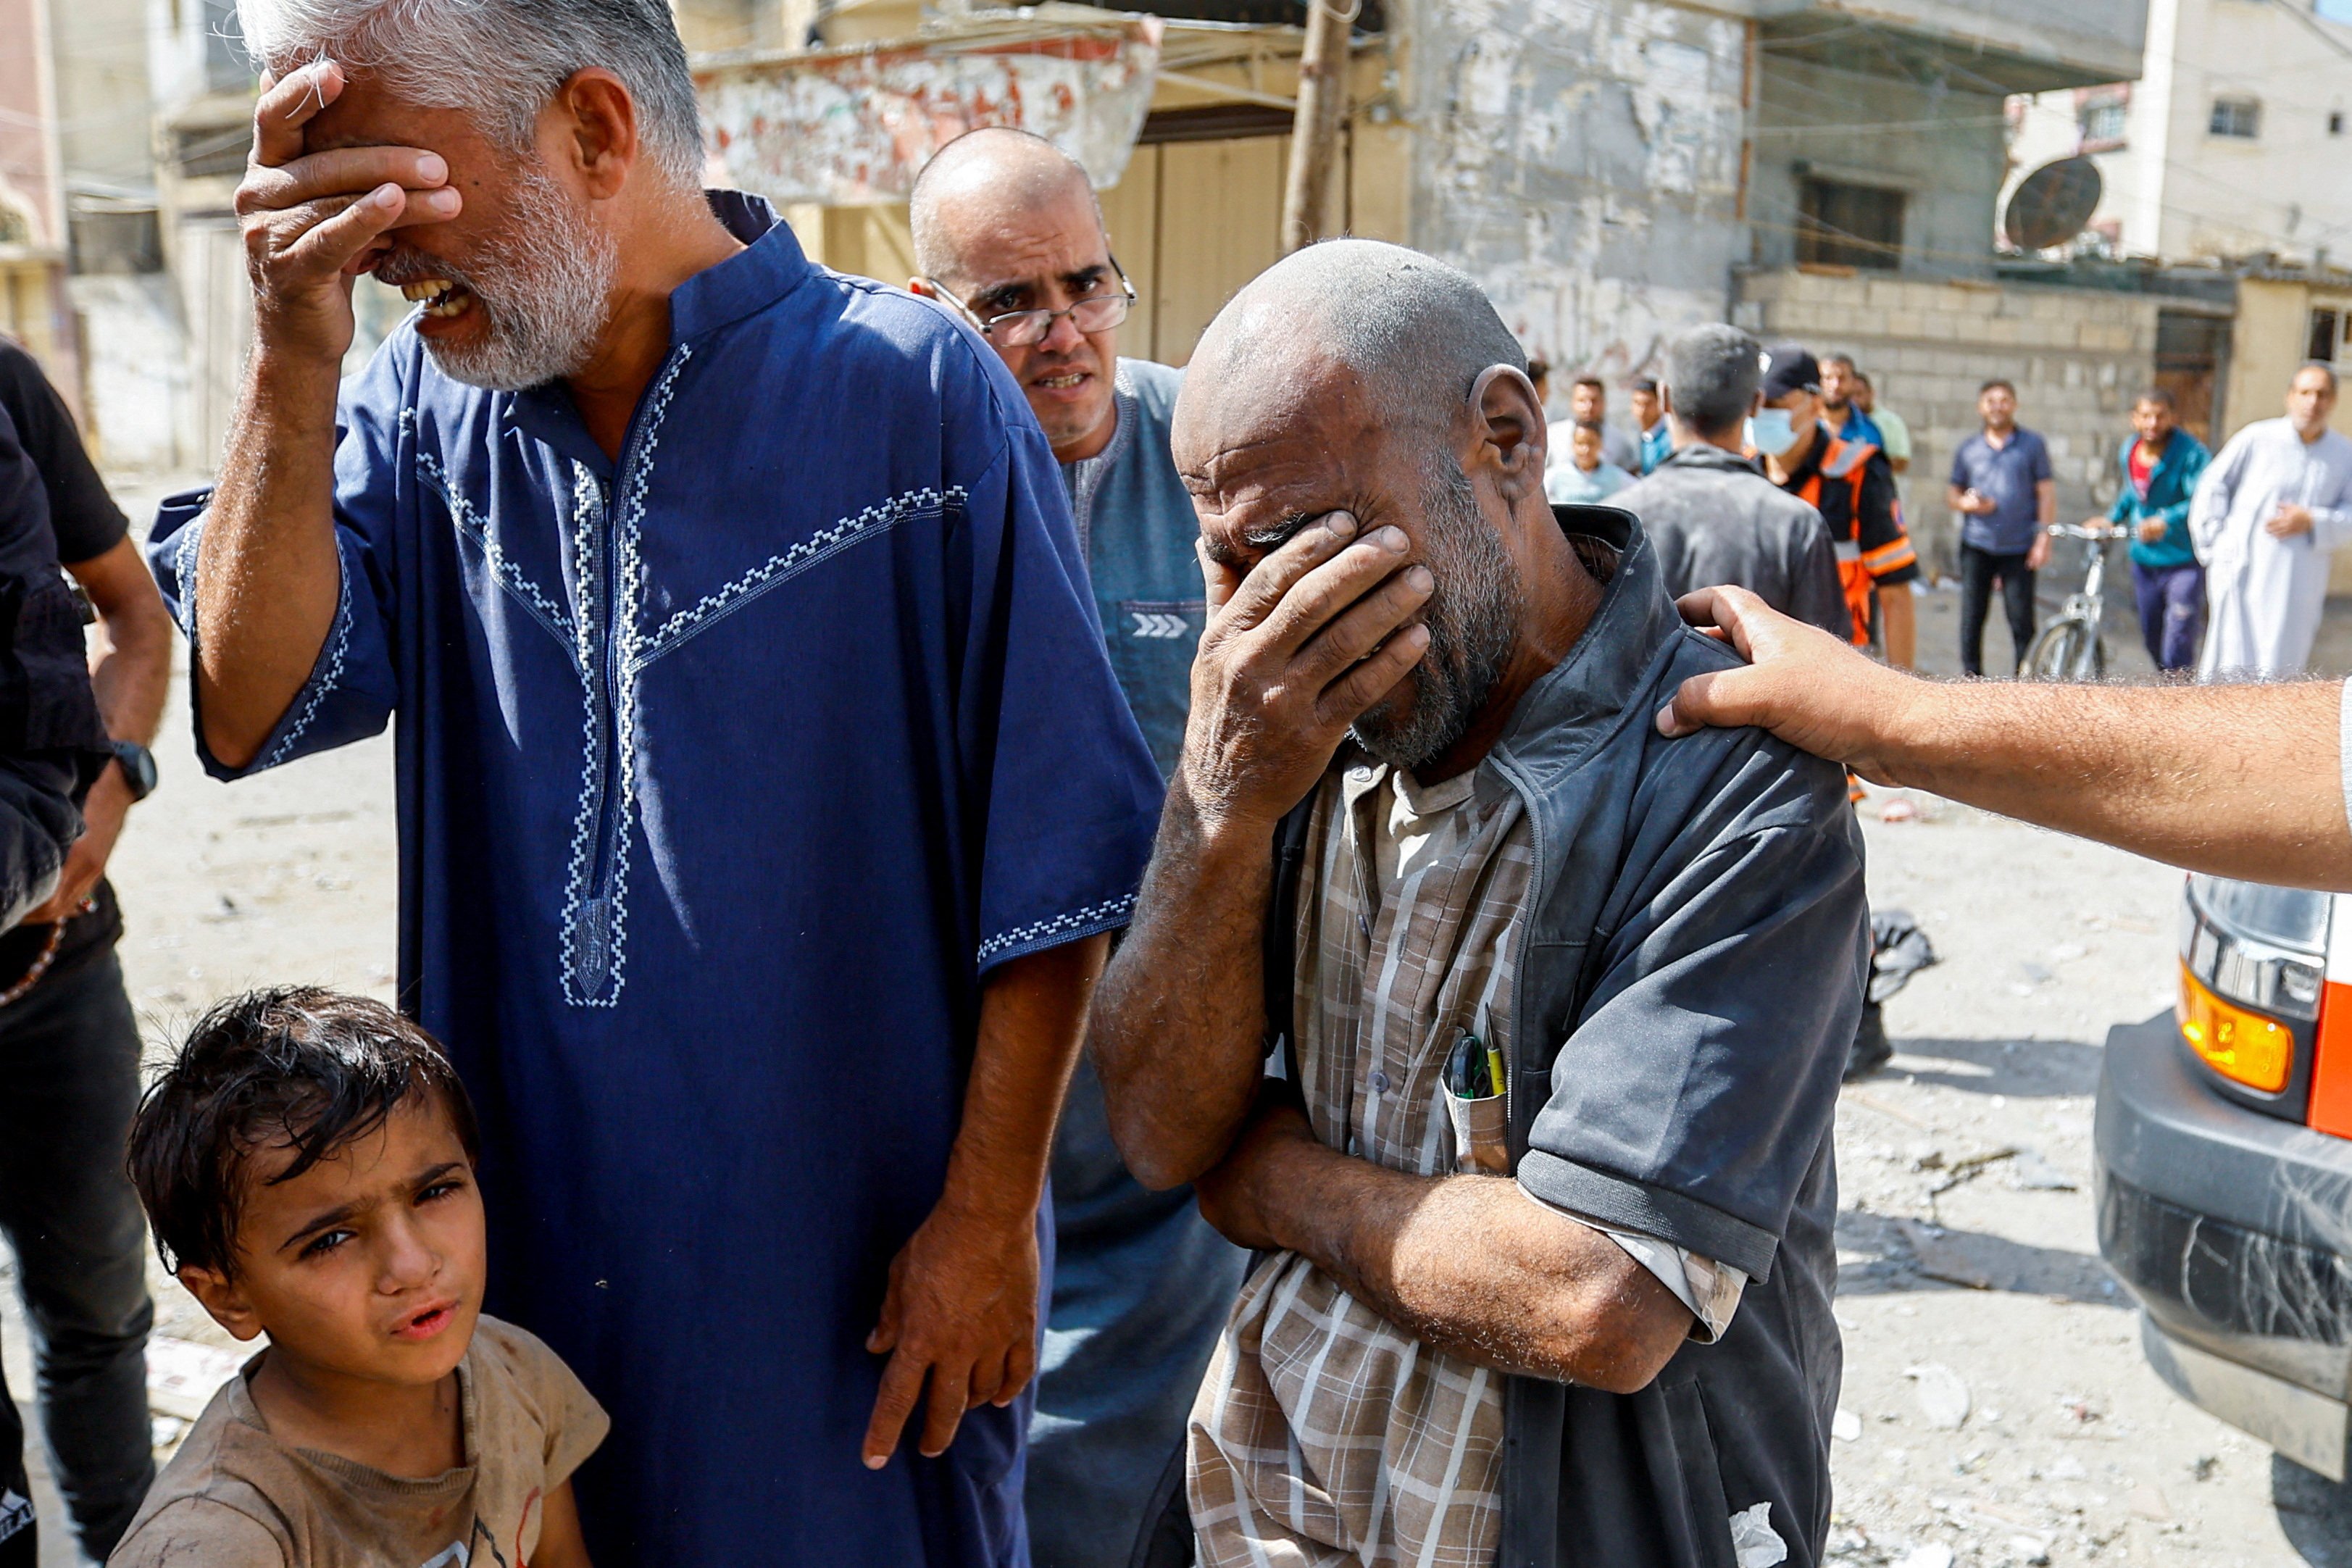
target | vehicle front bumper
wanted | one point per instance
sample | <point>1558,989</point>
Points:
<point>2233,1231</point>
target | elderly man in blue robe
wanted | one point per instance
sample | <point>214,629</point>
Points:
<point>765,796</point>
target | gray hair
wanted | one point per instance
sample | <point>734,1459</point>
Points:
<point>501,59</point>
<point>2323,368</point>
<point>1418,332</point>
<point>1713,372</point>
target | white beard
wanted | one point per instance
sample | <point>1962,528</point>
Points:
<point>546,287</point>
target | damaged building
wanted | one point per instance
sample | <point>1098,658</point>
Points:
<point>1612,170</point>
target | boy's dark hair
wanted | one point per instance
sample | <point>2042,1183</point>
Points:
<point>2002,382</point>
<point>2159,395</point>
<point>300,1067</point>
<point>1593,382</point>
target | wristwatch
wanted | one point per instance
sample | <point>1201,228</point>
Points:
<point>138,767</point>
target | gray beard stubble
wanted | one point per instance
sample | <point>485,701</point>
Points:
<point>546,285</point>
<point>1473,623</point>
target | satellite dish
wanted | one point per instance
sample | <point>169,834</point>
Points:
<point>2052,205</point>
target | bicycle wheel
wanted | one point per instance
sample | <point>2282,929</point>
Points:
<point>2052,655</point>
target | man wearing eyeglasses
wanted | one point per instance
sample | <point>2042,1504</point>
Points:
<point>1008,235</point>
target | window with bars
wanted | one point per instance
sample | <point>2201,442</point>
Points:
<point>2103,124</point>
<point>1849,225</point>
<point>2326,331</point>
<point>2238,117</point>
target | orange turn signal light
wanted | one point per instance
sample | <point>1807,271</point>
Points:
<point>2242,1046</point>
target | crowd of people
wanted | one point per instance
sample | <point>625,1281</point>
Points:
<point>1008,953</point>
<point>2229,556</point>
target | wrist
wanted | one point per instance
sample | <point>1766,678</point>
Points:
<point>284,356</point>
<point>991,1200</point>
<point>1211,831</point>
<point>1286,1189</point>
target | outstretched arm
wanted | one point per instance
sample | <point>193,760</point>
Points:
<point>2238,780</point>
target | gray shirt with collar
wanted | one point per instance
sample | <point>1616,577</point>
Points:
<point>1689,982</point>
<point>1712,518</point>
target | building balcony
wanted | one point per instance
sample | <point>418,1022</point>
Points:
<point>1996,46</point>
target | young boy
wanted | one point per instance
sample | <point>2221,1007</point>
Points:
<point>1586,477</point>
<point>308,1165</point>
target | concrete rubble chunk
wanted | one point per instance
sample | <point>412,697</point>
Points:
<point>1942,1395</point>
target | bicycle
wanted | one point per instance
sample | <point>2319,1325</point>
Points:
<point>2073,647</point>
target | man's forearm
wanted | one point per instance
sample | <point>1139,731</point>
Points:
<point>134,672</point>
<point>1179,1031</point>
<point>131,682</point>
<point>267,575</point>
<point>1475,1267</point>
<point>1033,1018</point>
<point>2239,780</point>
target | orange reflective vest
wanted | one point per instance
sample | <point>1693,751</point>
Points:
<point>1844,463</point>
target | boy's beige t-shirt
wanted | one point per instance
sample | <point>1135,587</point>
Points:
<point>235,1497</point>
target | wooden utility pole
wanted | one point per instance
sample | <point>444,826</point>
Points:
<point>1315,129</point>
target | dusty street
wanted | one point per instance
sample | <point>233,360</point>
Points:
<point>1996,1408</point>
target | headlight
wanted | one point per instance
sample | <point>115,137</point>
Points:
<point>2242,1046</point>
<point>2250,972</point>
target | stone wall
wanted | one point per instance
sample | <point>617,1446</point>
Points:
<point>1582,159</point>
<point>2078,358</point>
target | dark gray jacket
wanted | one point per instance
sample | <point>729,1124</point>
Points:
<point>1713,520</point>
<point>1690,976</point>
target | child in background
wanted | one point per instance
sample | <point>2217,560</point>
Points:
<point>307,1166</point>
<point>1587,478</point>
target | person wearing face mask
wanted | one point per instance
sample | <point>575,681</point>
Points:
<point>1852,485</point>
<point>1712,518</point>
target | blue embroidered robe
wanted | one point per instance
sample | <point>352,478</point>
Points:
<point>726,774</point>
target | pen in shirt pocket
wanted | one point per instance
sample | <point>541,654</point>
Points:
<point>1473,1085</point>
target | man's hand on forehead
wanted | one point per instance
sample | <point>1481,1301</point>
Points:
<point>291,168</point>
<point>312,219</point>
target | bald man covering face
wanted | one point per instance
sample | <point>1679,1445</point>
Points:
<point>1008,234</point>
<point>1545,1191</point>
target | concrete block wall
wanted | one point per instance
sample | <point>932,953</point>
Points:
<point>2078,358</point>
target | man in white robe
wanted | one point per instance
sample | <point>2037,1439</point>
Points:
<point>2268,516</point>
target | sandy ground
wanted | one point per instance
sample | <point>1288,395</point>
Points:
<point>2006,1420</point>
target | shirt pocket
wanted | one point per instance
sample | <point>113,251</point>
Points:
<point>1151,644</point>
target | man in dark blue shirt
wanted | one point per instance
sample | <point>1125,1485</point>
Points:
<point>765,794</point>
<point>2002,488</point>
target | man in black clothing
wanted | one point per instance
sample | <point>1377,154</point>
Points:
<point>1711,517</point>
<point>69,1043</point>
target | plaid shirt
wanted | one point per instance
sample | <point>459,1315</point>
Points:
<point>1324,1435</point>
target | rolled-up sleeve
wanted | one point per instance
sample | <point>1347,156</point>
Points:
<point>352,687</point>
<point>1692,1096</point>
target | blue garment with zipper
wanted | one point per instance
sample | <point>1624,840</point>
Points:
<point>726,774</point>
<point>2171,485</point>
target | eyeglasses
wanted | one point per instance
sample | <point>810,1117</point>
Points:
<point>1024,329</point>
